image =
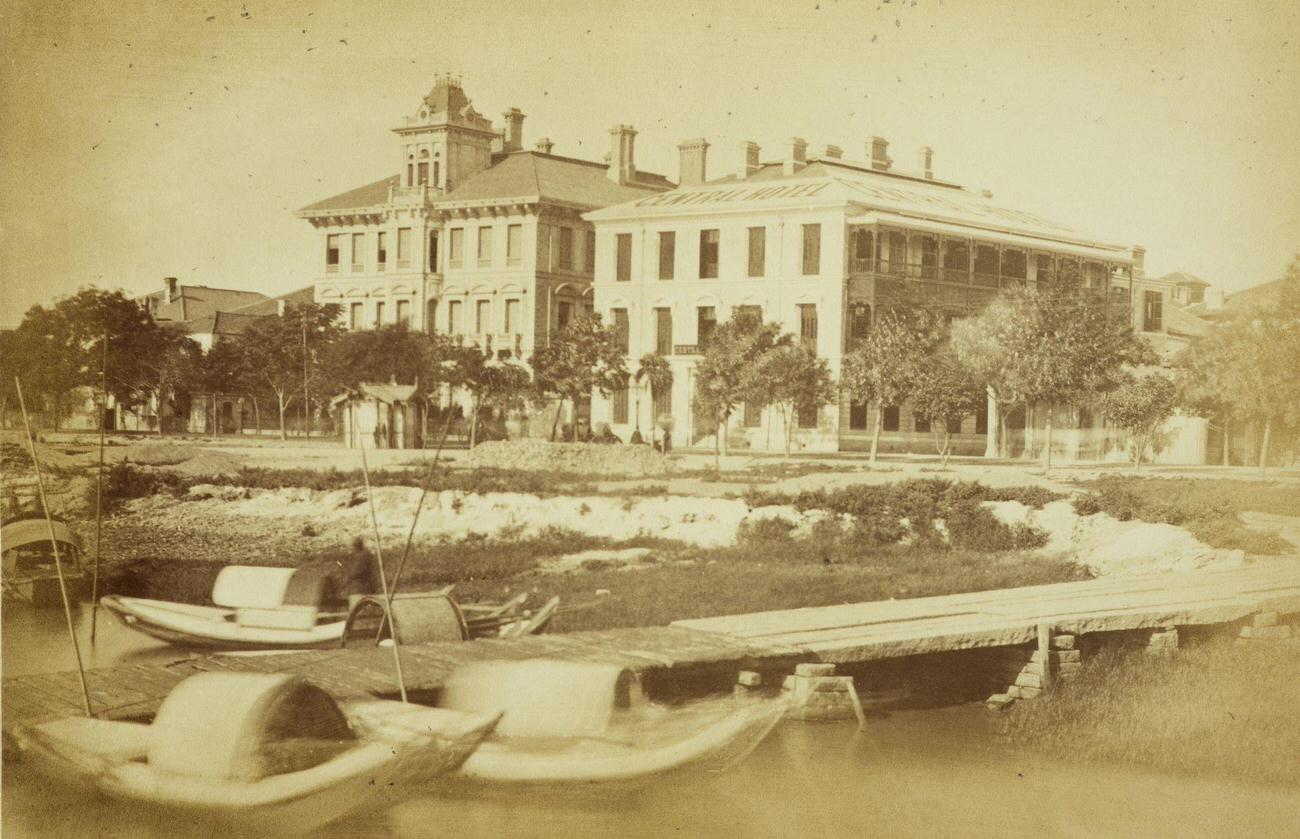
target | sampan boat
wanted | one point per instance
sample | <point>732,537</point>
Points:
<point>29,568</point>
<point>579,725</point>
<point>264,752</point>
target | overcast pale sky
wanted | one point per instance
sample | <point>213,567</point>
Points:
<point>148,139</point>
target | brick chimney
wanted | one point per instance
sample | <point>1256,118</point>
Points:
<point>544,145</point>
<point>796,155</point>
<point>834,152</point>
<point>748,159</point>
<point>622,154</point>
<point>171,289</point>
<point>878,154</point>
<point>925,162</point>
<point>514,127</point>
<point>692,167</point>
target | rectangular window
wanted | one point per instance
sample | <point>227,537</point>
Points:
<point>381,254</point>
<point>896,240</point>
<point>512,317</point>
<point>622,332</point>
<point>705,319</point>
<point>755,312</point>
<point>433,250</point>
<point>954,425</point>
<point>482,316</point>
<point>956,261</point>
<point>1152,311</point>
<point>757,251</point>
<point>667,254</point>
<point>929,257</point>
<point>379,313</point>
<point>356,313</point>
<point>422,172</point>
<point>514,243</point>
<point>889,418</point>
<point>1015,264</point>
<point>404,312</point>
<point>589,253</point>
<point>664,331</point>
<point>620,399</point>
<point>709,254</point>
<point>624,268</point>
<point>857,416</point>
<point>332,253</point>
<point>986,265</point>
<point>753,415</point>
<point>807,416</point>
<point>566,248</point>
<point>808,325</point>
<point>863,248</point>
<point>484,247</point>
<point>662,404</point>
<point>859,324</point>
<point>456,247</point>
<point>403,247</point>
<point>920,423</point>
<point>563,313</point>
<point>454,317</point>
<point>358,252</point>
<point>812,249</point>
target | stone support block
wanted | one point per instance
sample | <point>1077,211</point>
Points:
<point>814,669</point>
<point>1266,633</point>
<point>999,701</point>
<point>749,679</point>
<point>1264,619</point>
<point>1063,642</point>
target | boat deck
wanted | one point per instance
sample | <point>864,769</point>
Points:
<point>719,646</point>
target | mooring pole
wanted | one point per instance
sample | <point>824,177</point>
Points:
<point>54,544</point>
<point>99,485</point>
<point>379,557</point>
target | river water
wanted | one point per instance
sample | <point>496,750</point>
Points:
<point>920,773</point>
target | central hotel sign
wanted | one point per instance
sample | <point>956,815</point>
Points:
<point>720,195</point>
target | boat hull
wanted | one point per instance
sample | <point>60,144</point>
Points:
<point>211,627</point>
<point>391,763</point>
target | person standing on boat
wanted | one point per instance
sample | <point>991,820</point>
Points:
<point>360,574</point>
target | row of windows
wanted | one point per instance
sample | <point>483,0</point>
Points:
<point>563,258</point>
<point>709,256</point>
<point>357,314</point>
<point>334,244</point>
<point>706,320</point>
<point>483,246</point>
<point>511,322</point>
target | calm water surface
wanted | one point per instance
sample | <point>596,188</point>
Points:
<point>932,773</point>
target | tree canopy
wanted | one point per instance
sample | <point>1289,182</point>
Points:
<point>582,357</point>
<point>727,375</point>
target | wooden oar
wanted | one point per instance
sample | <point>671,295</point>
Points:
<point>99,484</point>
<point>54,544</point>
<point>379,556</point>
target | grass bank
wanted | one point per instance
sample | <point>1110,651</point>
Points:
<point>1209,509</point>
<point>1218,709</point>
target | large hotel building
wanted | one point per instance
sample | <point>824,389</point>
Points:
<point>820,244</point>
<point>474,236</point>
<point>477,237</point>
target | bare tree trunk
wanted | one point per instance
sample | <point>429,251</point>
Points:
<point>722,435</point>
<point>875,434</point>
<point>1263,446</point>
<point>284,434</point>
<point>1004,445</point>
<point>1047,427</point>
<point>991,426</point>
<point>789,431</point>
<point>473,423</point>
<point>257,416</point>
<point>1227,440</point>
<point>555,423</point>
<point>1029,430</point>
<point>158,401</point>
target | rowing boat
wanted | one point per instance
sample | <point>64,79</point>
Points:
<point>29,568</point>
<point>264,752</point>
<point>579,725</point>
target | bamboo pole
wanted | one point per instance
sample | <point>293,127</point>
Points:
<point>410,535</point>
<point>379,557</point>
<point>99,486</point>
<point>54,545</point>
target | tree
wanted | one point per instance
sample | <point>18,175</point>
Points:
<point>391,353</point>
<point>726,376</point>
<point>1067,347</point>
<point>656,371</point>
<point>1206,381</point>
<point>488,381</point>
<point>44,354</point>
<point>885,367</point>
<point>1140,407</point>
<point>155,364</point>
<point>985,344</point>
<point>945,392</point>
<point>795,380</point>
<point>582,357</point>
<point>285,353</point>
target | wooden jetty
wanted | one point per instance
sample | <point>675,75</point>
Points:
<point>720,646</point>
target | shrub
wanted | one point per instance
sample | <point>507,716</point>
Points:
<point>123,482</point>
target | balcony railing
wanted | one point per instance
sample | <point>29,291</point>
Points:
<point>934,273</point>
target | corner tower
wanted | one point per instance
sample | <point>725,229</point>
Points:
<point>445,141</point>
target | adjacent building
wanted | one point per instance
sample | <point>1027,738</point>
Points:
<point>474,236</point>
<point>820,244</point>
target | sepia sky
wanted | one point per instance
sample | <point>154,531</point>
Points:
<point>147,139</point>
